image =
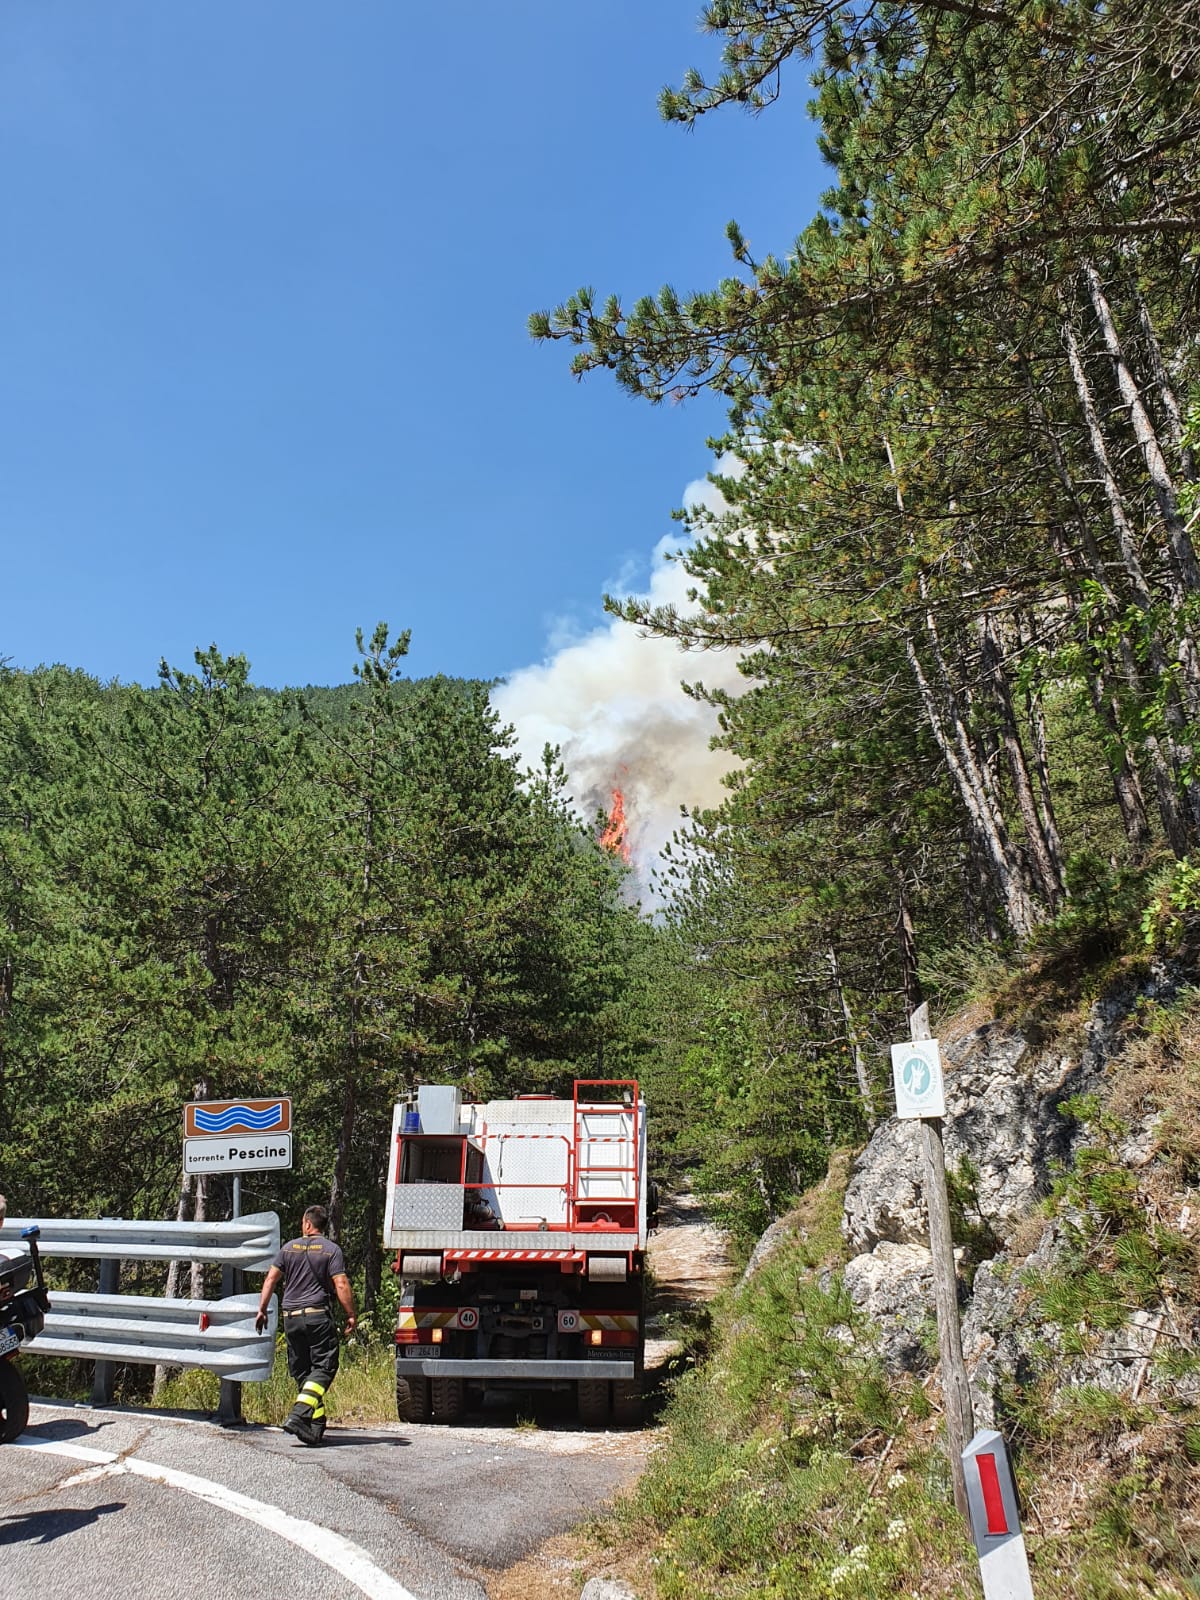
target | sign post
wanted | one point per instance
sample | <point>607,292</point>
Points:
<point>920,1095</point>
<point>236,1136</point>
<point>995,1523</point>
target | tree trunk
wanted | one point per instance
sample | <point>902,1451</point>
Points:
<point>372,1264</point>
<point>1187,568</point>
<point>1122,527</point>
<point>341,1165</point>
<point>1126,787</point>
<point>1035,718</point>
<point>989,827</point>
<point>992,664</point>
<point>1168,399</point>
<point>910,980</point>
<point>1167,775</point>
<point>860,1068</point>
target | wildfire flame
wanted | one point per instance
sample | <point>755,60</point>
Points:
<point>614,836</point>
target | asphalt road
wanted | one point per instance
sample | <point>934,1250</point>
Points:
<point>96,1505</point>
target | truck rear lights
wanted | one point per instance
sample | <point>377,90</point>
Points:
<point>611,1338</point>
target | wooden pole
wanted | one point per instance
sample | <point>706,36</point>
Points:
<point>956,1392</point>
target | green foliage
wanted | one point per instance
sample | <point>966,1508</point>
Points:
<point>1174,902</point>
<point>957,561</point>
<point>1114,1260</point>
<point>363,1391</point>
<point>969,1228</point>
<point>209,890</point>
<point>757,1489</point>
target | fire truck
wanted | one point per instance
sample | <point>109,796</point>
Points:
<point>520,1230</point>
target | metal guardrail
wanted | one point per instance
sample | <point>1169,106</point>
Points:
<point>247,1242</point>
<point>109,1328</point>
<point>217,1335</point>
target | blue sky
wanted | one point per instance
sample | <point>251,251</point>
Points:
<point>264,278</point>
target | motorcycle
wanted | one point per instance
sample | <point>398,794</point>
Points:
<point>23,1307</point>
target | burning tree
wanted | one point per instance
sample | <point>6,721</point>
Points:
<point>614,835</point>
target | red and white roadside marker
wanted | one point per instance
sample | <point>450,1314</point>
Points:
<point>995,1523</point>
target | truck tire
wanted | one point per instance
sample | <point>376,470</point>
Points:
<point>14,1403</point>
<point>593,1402</point>
<point>412,1396</point>
<point>627,1403</point>
<point>449,1398</point>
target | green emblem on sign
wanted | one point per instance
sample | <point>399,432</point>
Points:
<point>916,1077</point>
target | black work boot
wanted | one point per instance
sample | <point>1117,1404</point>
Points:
<point>302,1429</point>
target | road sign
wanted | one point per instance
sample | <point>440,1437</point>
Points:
<point>214,1119</point>
<point>237,1152</point>
<point>917,1077</point>
<point>237,1135</point>
<point>995,1523</point>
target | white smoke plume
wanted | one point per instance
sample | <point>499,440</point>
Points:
<point>611,700</point>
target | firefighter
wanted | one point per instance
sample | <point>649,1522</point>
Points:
<point>313,1271</point>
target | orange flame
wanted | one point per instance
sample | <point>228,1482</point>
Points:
<point>613,838</point>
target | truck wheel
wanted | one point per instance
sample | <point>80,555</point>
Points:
<point>593,1402</point>
<point>449,1398</point>
<point>14,1403</point>
<point>627,1403</point>
<point>412,1396</point>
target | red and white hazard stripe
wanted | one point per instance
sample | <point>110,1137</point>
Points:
<point>514,1255</point>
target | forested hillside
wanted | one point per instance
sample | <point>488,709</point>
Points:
<point>210,890</point>
<point>959,558</point>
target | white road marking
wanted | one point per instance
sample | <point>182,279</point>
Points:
<point>348,1559</point>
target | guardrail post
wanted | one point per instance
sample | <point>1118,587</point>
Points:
<point>102,1379</point>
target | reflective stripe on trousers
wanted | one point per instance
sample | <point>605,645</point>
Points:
<point>311,1400</point>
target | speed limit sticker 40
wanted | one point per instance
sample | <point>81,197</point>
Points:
<point>468,1317</point>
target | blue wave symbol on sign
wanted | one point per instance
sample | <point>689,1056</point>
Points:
<point>239,1117</point>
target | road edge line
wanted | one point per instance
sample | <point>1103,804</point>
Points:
<point>349,1560</point>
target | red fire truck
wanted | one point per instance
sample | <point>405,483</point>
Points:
<point>520,1229</point>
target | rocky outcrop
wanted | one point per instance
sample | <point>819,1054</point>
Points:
<point>775,1237</point>
<point>1005,1137</point>
<point>893,1285</point>
<point>1003,1125</point>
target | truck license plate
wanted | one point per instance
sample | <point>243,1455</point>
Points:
<point>9,1340</point>
<point>423,1351</point>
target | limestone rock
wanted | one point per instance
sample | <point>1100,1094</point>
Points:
<point>767,1245</point>
<point>893,1285</point>
<point>1003,1095</point>
<point>607,1589</point>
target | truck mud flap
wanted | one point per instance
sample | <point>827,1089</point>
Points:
<point>606,1269</point>
<point>422,1268</point>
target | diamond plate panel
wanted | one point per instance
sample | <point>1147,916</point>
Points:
<point>428,1205</point>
